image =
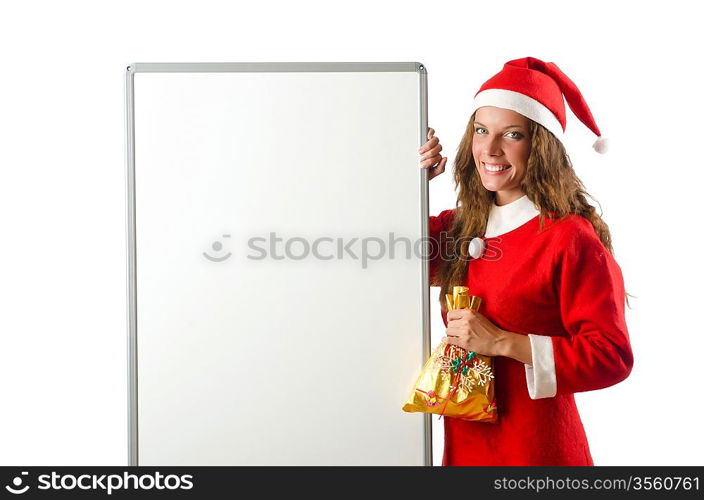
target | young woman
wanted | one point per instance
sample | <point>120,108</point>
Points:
<point>541,259</point>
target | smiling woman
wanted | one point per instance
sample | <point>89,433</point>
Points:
<point>553,295</point>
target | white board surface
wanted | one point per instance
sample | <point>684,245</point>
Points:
<point>245,347</point>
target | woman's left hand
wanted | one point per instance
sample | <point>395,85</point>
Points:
<point>471,331</point>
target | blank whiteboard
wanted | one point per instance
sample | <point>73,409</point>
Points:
<point>269,321</point>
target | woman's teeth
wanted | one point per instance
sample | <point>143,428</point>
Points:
<point>496,168</point>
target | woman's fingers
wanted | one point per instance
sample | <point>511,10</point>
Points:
<point>433,151</point>
<point>431,143</point>
<point>431,162</point>
<point>441,166</point>
<point>439,169</point>
<point>430,155</point>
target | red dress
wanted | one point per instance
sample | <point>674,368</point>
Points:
<point>562,286</point>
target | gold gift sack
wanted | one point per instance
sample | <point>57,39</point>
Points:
<point>454,382</point>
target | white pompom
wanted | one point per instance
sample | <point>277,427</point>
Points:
<point>601,145</point>
<point>476,248</point>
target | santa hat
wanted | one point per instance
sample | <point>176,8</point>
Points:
<point>535,88</point>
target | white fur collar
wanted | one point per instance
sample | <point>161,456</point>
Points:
<point>505,218</point>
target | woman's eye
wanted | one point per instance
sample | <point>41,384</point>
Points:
<point>481,130</point>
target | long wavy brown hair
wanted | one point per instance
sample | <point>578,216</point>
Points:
<point>550,182</point>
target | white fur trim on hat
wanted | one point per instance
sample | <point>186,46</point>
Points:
<point>520,103</point>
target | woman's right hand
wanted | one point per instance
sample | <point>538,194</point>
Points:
<point>430,156</point>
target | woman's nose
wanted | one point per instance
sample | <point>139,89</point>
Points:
<point>492,147</point>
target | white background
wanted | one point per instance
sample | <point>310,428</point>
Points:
<point>63,313</point>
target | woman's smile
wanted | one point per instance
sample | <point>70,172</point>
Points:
<point>495,168</point>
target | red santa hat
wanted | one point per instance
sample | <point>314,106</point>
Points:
<point>535,89</point>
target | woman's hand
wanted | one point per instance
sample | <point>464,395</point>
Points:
<point>431,158</point>
<point>471,331</point>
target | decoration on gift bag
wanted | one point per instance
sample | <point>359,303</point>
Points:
<point>490,407</point>
<point>474,372</point>
<point>431,398</point>
<point>455,382</point>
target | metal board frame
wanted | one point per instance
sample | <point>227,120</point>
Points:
<point>131,70</point>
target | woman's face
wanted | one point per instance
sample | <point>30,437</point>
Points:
<point>501,147</point>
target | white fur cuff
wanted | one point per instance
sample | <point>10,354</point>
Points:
<point>540,376</point>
